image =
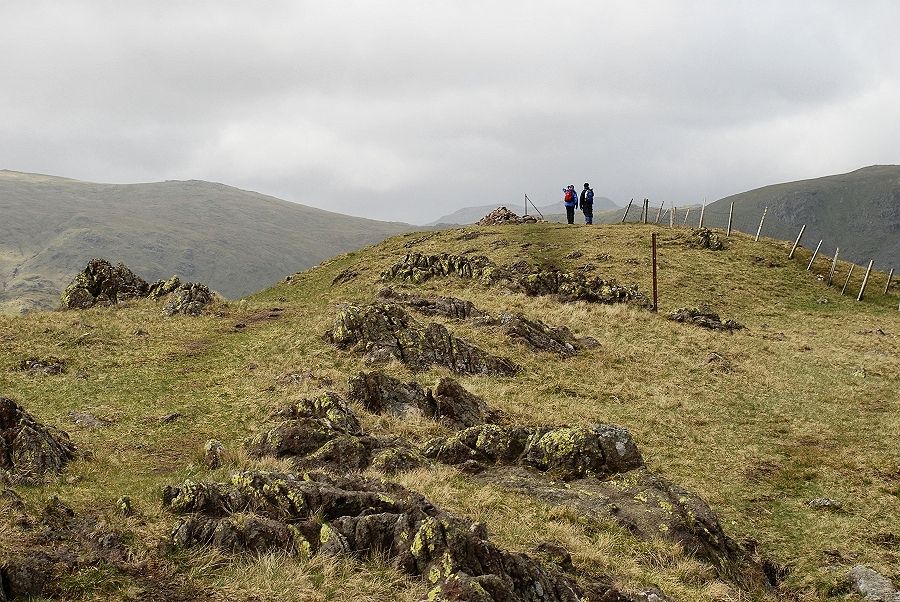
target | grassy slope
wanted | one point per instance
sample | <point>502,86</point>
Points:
<point>810,408</point>
<point>235,240</point>
<point>857,211</point>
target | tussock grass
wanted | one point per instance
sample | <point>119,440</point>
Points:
<point>802,404</point>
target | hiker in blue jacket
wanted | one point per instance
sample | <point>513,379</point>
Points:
<point>570,200</point>
<point>587,203</point>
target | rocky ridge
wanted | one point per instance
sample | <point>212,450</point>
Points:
<point>30,452</point>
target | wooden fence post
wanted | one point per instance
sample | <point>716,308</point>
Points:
<point>674,215</point>
<point>686,214</point>
<point>730,215</point>
<point>702,210</point>
<point>659,213</point>
<point>887,286</point>
<point>833,266</point>
<point>847,281</point>
<point>646,210</point>
<point>761,220</point>
<point>813,258</point>
<point>796,242</point>
<point>626,210</point>
<point>655,298</point>
<point>865,281</point>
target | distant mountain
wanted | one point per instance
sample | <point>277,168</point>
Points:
<point>235,240</point>
<point>857,211</point>
<point>470,215</point>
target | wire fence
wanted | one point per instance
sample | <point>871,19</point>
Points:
<point>729,219</point>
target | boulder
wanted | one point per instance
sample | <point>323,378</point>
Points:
<point>705,318</point>
<point>448,307</point>
<point>386,331</point>
<point>363,518</point>
<point>163,288</point>
<point>417,268</point>
<point>576,286</point>
<point>30,452</point>
<point>872,585</point>
<point>704,238</point>
<point>213,450</point>
<point>448,401</point>
<point>102,283</point>
<point>540,336</point>
<point>564,452</point>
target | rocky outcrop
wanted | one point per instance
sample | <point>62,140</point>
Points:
<point>577,286</point>
<point>386,331</point>
<point>872,585</point>
<point>564,452</point>
<point>448,402</point>
<point>323,432</point>
<point>705,318</point>
<point>188,299</point>
<point>102,283</point>
<point>541,337</point>
<point>418,268</point>
<point>43,365</point>
<point>448,307</point>
<point>365,518</point>
<point>30,452</point>
<point>502,215</point>
<point>704,238</point>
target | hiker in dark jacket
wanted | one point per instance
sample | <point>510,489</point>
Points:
<point>587,203</point>
<point>570,200</point>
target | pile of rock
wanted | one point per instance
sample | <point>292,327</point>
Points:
<point>502,215</point>
<point>102,283</point>
<point>704,238</point>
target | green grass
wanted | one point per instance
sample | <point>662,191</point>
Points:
<point>807,409</point>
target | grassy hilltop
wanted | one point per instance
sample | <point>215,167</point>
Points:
<point>801,404</point>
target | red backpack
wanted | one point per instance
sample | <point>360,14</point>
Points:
<point>570,195</point>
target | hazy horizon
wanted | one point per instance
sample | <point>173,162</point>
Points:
<point>407,111</point>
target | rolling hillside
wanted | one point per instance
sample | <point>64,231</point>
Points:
<point>857,211</point>
<point>235,240</point>
<point>606,452</point>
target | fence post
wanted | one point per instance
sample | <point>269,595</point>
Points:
<point>526,204</point>
<point>646,210</point>
<point>833,266</point>
<point>672,217</point>
<point>702,209</point>
<point>686,214</point>
<point>653,247</point>
<point>659,213</point>
<point>813,258</point>
<point>796,242</point>
<point>887,286</point>
<point>862,289</point>
<point>847,281</point>
<point>761,220</point>
<point>730,215</point>
<point>626,210</point>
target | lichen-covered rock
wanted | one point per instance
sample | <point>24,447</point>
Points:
<point>704,238</point>
<point>161,288</point>
<point>541,337</point>
<point>102,283</point>
<point>564,452</point>
<point>385,330</point>
<point>324,433</point>
<point>30,452</point>
<point>705,318</point>
<point>362,518</point>
<point>872,585</point>
<point>188,299</point>
<point>448,401</point>
<point>213,450</point>
<point>448,307</point>
<point>418,268</point>
<point>568,286</point>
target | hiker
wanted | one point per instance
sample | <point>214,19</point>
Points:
<point>587,203</point>
<point>570,200</point>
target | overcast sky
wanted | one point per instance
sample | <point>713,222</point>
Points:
<point>409,110</point>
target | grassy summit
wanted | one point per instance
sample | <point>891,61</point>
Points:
<point>802,404</point>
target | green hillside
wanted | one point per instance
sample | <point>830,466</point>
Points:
<point>857,211</point>
<point>763,423</point>
<point>235,240</point>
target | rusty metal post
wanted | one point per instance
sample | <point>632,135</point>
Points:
<point>655,291</point>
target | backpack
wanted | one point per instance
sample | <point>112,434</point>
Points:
<point>589,197</point>
<point>570,196</point>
